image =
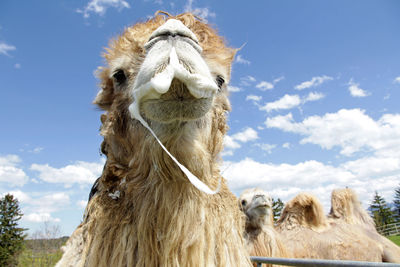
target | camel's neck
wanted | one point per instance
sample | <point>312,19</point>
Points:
<point>141,157</point>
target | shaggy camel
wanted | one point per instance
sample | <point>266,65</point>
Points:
<point>166,77</point>
<point>262,239</point>
<point>346,208</point>
<point>308,233</point>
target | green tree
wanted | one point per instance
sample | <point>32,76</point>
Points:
<point>396,204</point>
<point>380,211</point>
<point>11,236</point>
<point>277,206</point>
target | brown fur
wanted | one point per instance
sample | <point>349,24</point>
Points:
<point>160,219</point>
<point>347,209</point>
<point>261,238</point>
<point>307,233</point>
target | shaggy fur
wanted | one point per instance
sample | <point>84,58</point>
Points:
<point>308,233</point>
<point>346,206</point>
<point>261,238</point>
<point>347,209</point>
<point>145,212</point>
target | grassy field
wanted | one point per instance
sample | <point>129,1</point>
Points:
<point>41,252</point>
<point>395,239</point>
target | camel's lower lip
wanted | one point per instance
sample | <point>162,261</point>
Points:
<point>179,109</point>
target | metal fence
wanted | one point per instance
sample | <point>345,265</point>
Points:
<point>323,263</point>
<point>389,229</point>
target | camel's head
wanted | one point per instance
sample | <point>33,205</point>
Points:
<point>257,205</point>
<point>166,70</point>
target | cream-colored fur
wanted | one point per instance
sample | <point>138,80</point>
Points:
<point>261,238</point>
<point>307,233</point>
<point>145,211</point>
<point>347,209</point>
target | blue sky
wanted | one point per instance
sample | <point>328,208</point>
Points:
<point>315,94</point>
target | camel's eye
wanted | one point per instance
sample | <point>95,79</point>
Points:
<point>244,202</point>
<point>119,76</point>
<point>220,81</point>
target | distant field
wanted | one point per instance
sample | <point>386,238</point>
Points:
<point>41,252</point>
<point>395,239</point>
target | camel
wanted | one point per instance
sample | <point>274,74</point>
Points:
<point>161,200</point>
<point>308,233</point>
<point>261,238</point>
<point>346,208</point>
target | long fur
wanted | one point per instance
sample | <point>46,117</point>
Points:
<point>156,217</point>
<point>347,209</point>
<point>346,206</point>
<point>261,238</point>
<point>308,233</point>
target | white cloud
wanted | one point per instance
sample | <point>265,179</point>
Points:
<point>249,134</point>
<point>40,217</point>
<point>81,173</point>
<point>356,91</point>
<point>234,89</point>
<point>201,12</point>
<point>18,194</point>
<point>99,7</point>
<point>275,81</point>
<point>17,66</point>
<point>286,102</point>
<point>351,130</point>
<point>313,96</point>
<point>286,145</point>
<point>36,150</point>
<point>232,142</point>
<point>254,98</point>
<point>267,147</point>
<point>247,80</point>
<point>315,81</point>
<point>264,86</point>
<point>38,207</point>
<point>10,172</point>
<point>5,48</point>
<point>241,60</point>
<point>287,180</point>
<point>397,80</point>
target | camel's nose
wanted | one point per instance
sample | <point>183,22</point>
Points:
<point>173,31</point>
<point>173,28</point>
<point>261,200</point>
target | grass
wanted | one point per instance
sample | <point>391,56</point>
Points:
<point>41,252</point>
<point>38,259</point>
<point>395,239</point>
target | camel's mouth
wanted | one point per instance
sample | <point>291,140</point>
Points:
<point>260,205</point>
<point>174,82</point>
<point>176,104</point>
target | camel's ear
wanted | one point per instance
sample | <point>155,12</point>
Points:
<point>105,97</point>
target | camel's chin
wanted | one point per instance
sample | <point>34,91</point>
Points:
<point>168,111</point>
<point>261,210</point>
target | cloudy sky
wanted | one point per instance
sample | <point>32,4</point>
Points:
<point>315,93</point>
